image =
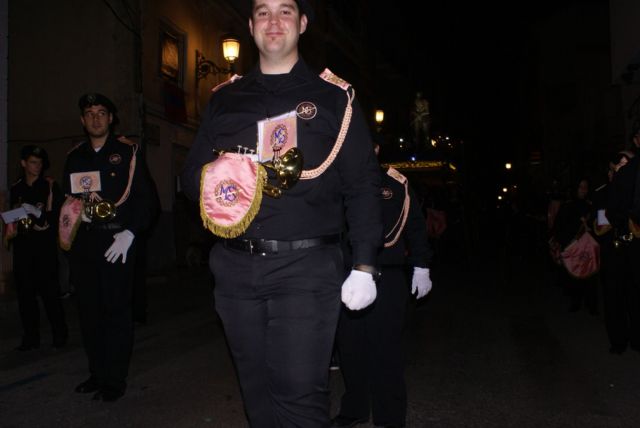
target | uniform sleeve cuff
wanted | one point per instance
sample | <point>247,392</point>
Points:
<point>365,255</point>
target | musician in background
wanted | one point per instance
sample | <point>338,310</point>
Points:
<point>623,214</point>
<point>108,205</point>
<point>573,219</point>
<point>35,257</point>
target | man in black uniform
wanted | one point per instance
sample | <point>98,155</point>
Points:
<point>623,213</point>
<point>35,259</point>
<point>369,342</point>
<point>107,175</point>
<point>279,283</point>
<point>614,289</point>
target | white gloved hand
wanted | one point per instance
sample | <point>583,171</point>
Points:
<point>421,282</point>
<point>84,216</point>
<point>121,243</point>
<point>358,290</point>
<point>602,218</point>
<point>31,209</point>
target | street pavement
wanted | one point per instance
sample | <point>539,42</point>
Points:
<point>485,349</point>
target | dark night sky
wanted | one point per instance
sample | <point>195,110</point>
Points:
<point>466,58</point>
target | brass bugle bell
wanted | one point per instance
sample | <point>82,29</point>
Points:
<point>287,168</point>
<point>103,210</point>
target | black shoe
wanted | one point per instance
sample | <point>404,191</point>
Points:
<point>107,395</point>
<point>89,385</point>
<point>347,422</point>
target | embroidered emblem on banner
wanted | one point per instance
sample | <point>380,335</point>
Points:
<point>387,193</point>
<point>230,194</point>
<point>277,135</point>
<point>227,193</point>
<point>115,159</point>
<point>279,138</point>
<point>306,110</point>
<point>86,182</point>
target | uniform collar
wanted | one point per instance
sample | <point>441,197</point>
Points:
<point>300,73</point>
<point>89,149</point>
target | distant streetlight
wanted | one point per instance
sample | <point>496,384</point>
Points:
<point>504,190</point>
<point>379,117</point>
<point>507,165</point>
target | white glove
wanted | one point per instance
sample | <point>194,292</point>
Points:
<point>358,290</point>
<point>84,216</point>
<point>31,209</point>
<point>602,218</point>
<point>121,243</point>
<point>421,282</point>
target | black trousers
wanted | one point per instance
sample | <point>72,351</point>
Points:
<point>280,313</point>
<point>371,350</point>
<point>621,290</point>
<point>103,290</point>
<point>35,268</point>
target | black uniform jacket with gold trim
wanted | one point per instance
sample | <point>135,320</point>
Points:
<point>311,208</point>
<point>113,160</point>
<point>413,246</point>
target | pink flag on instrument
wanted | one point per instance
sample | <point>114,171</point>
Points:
<point>69,221</point>
<point>582,257</point>
<point>230,194</point>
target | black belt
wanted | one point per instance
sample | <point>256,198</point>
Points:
<point>270,246</point>
<point>103,226</point>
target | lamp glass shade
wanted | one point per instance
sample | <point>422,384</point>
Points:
<point>230,49</point>
<point>379,116</point>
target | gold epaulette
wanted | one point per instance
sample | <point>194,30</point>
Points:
<point>395,174</point>
<point>327,75</point>
<point>76,146</point>
<point>226,82</point>
<point>125,140</point>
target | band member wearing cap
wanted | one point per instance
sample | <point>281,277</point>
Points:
<point>108,203</point>
<point>280,277</point>
<point>370,342</point>
<point>35,257</point>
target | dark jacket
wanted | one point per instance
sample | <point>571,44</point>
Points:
<point>113,161</point>
<point>311,208</point>
<point>412,247</point>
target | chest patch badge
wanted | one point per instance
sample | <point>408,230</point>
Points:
<point>306,110</point>
<point>115,159</point>
<point>276,135</point>
<point>88,181</point>
<point>387,193</point>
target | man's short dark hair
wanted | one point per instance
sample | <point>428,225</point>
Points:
<point>95,99</point>
<point>35,151</point>
<point>303,5</point>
